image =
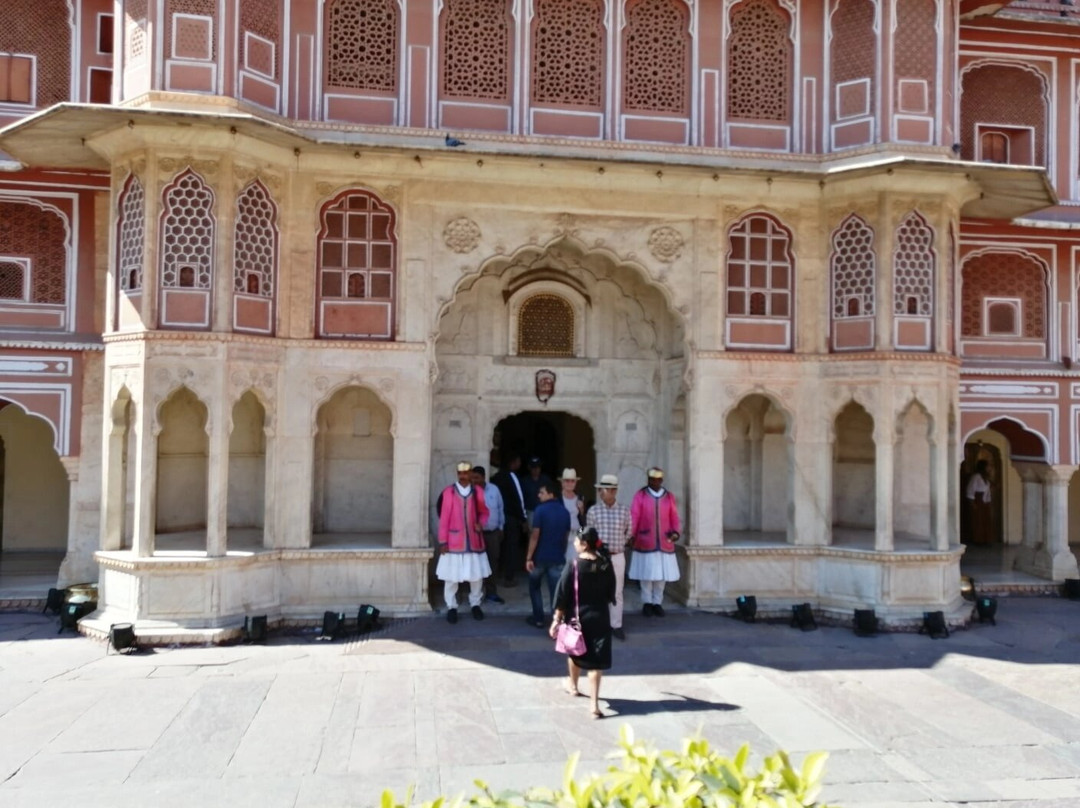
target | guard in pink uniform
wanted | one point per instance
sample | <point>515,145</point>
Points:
<point>654,523</point>
<point>462,553</point>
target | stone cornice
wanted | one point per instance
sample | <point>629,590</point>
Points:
<point>867,356</point>
<point>848,553</point>
<point>46,345</point>
<point>968,372</point>
<point>228,337</point>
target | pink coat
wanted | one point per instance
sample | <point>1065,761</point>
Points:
<point>651,519</point>
<point>461,520</point>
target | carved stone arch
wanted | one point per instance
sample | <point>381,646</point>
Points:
<point>914,399</point>
<point>739,395</point>
<point>992,418</point>
<point>264,401</point>
<point>371,386</point>
<point>852,395</point>
<point>834,6</point>
<point>176,388</point>
<point>1047,284</point>
<point>643,437</point>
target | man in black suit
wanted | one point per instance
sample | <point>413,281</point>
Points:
<point>509,485</point>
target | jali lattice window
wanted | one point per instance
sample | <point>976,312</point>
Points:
<point>760,269</point>
<point>13,274</point>
<point>915,44</point>
<point>362,45</point>
<point>192,22</point>
<point>476,49</point>
<point>656,48</point>
<point>914,267</point>
<point>853,55</point>
<point>135,14</point>
<point>1005,96</point>
<point>129,255</point>
<point>255,242</point>
<point>568,52</point>
<point>357,248</point>
<point>1012,275</point>
<point>40,236</point>
<point>759,63</point>
<point>187,234</point>
<point>38,27</point>
<point>545,327</point>
<point>260,17</point>
<point>853,268</point>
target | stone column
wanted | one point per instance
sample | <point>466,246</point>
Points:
<point>811,492</point>
<point>145,470</point>
<point>1031,479</point>
<point>217,479</point>
<point>883,241</point>
<point>884,451</point>
<point>113,482</point>
<point>412,430</point>
<point>269,538</point>
<point>1054,559</point>
<point>939,486</point>
<point>705,453</point>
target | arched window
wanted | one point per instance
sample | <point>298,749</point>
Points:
<point>853,267</point>
<point>357,267</point>
<point>362,45</point>
<point>760,285</point>
<point>568,51</point>
<point>656,57</point>
<point>129,255</point>
<point>545,326</point>
<point>995,281</point>
<point>187,234</point>
<point>476,50</point>
<point>759,63</point>
<point>255,242</point>
<point>1007,102</point>
<point>914,267</point>
<point>36,239</point>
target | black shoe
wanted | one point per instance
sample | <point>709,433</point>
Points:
<point>495,598</point>
<point>657,610</point>
<point>509,583</point>
<point>477,613</point>
<point>532,621</point>
<point>451,616</point>
<point>619,633</point>
<point>646,610</point>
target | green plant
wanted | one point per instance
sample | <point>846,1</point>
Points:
<point>696,777</point>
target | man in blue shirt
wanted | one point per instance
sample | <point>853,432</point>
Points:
<point>547,550</point>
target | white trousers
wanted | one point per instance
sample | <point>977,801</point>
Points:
<point>618,564</point>
<point>652,592</point>
<point>476,592</point>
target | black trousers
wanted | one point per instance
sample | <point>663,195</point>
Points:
<point>513,553</point>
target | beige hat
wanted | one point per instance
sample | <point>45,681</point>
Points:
<point>569,474</point>
<point>464,465</point>
<point>608,481</point>
<point>656,473</point>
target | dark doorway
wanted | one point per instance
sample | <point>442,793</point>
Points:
<point>975,531</point>
<point>559,439</point>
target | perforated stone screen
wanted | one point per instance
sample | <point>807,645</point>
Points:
<point>187,234</point>
<point>130,254</point>
<point>194,38</point>
<point>1003,274</point>
<point>1003,95</point>
<point>760,269</point>
<point>357,251</point>
<point>853,267</point>
<point>914,267</point>
<point>759,63</point>
<point>656,48</point>
<point>39,235</point>
<point>568,52</point>
<point>255,242</point>
<point>915,44</point>
<point>853,48</point>
<point>475,49</point>
<point>12,279</point>
<point>545,327</point>
<point>362,44</point>
<point>40,27</point>
<point>260,17</point>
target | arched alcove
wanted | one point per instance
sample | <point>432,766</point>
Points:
<point>757,472</point>
<point>854,477</point>
<point>247,472</point>
<point>353,471</point>
<point>913,474</point>
<point>182,466</point>
<point>33,485</point>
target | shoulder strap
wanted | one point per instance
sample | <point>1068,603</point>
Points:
<point>577,607</point>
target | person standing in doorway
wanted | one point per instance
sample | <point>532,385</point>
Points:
<point>980,515</point>
<point>508,481</point>
<point>575,507</point>
<point>493,529</point>
<point>462,557</point>
<point>612,523</point>
<point>547,550</point>
<point>654,521</point>
<point>530,487</point>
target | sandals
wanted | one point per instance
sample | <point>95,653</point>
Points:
<point>597,714</point>
<point>571,690</point>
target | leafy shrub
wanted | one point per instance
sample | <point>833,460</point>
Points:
<point>696,777</point>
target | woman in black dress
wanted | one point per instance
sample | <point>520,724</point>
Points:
<point>596,591</point>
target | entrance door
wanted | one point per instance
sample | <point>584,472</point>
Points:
<point>974,530</point>
<point>559,439</point>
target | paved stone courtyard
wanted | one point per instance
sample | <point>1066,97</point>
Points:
<point>988,717</point>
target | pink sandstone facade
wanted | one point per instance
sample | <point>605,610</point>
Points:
<point>269,268</point>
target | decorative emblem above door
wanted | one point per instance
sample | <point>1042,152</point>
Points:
<point>545,385</point>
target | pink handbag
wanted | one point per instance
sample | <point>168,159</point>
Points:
<point>568,637</point>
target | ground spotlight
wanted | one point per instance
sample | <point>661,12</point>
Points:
<point>933,623</point>
<point>54,601</point>
<point>747,606</point>
<point>802,617</point>
<point>122,637</point>
<point>367,619</point>
<point>255,628</point>
<point>1071,588</point>
<point>967,587</point>
<point>866,623</point>
<point>75,610</point>
<point>986,608</point>
<point>333,624</point>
